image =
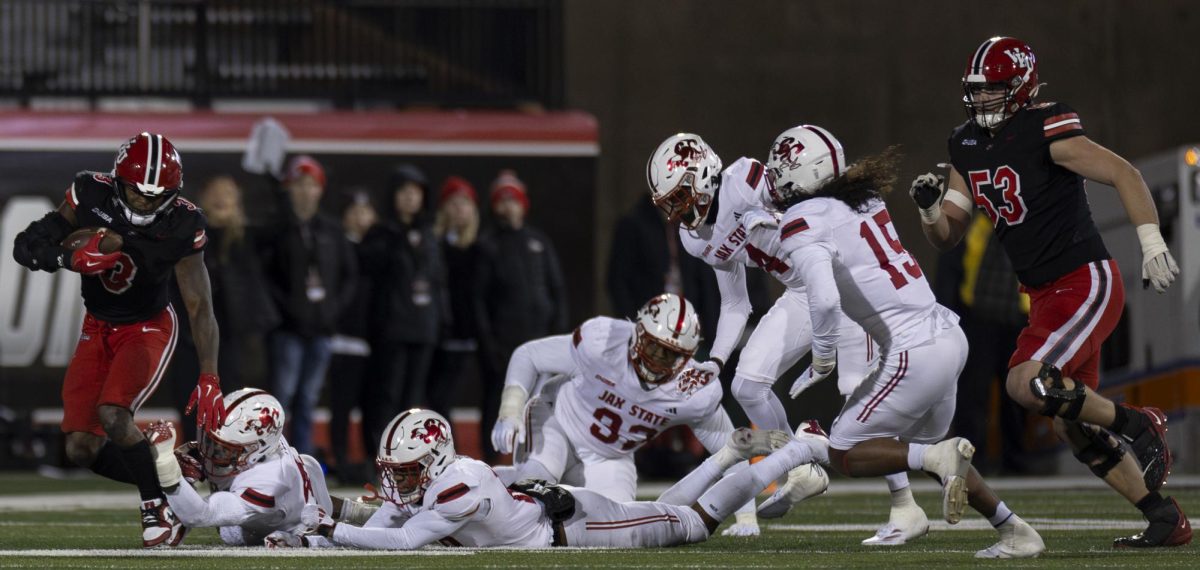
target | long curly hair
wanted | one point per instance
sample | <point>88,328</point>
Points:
<point>868,179</point>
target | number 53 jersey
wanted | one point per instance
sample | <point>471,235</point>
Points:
<point>1039,209</point>
<point>604,408</point>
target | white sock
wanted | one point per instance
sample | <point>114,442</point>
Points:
<point>916,456</point>
<point>1002,515</point>
<point>901,492</point>
<point>687,490</point>
<point>896,481</point>
<point>734,490</point>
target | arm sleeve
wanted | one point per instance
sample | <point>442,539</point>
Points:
<point>713,431</point>
<point>532,360</point>
<point>735,310</point>
<point>426,527</point>
<point>815,263</point>
<point>221,509</point>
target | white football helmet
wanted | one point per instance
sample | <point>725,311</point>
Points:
<point>252,432</point>
<point>684,174</point>
<point>417,446</point>
<point>667,334</point>
<point>802,160</point>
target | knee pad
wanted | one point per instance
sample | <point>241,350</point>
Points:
<point>1097,449</point>
<point>749,391</point>
<point>1049,387</point>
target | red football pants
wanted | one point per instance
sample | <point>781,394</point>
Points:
<point>116,365</point>
<point>1070,317</point>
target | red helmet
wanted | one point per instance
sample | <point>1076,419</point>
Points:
<point>999,64</point>
<point>150,166</point>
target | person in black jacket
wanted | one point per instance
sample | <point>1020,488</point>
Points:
<point>241,304</point>
<point>312,274</point>
<point>457,227</point>
<point>400,257</point>
<point>519,290</point>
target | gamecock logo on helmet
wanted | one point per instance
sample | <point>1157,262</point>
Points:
<point>788,152</point>
<point>686,151</point>
<point>265,422</point>
<point>432,431</point>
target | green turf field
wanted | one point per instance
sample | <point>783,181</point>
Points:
<point>1078,527</point>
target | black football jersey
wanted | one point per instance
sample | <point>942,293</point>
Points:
<point>136,288</point>
<point>1038,208</point>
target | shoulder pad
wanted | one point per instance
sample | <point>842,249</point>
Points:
<point>90,188</point>
<point>805,219</point>
<point>457,499</point>
<point>601,345</point>
<point>256,497</point>
<point>1057,120</point>
<point>692,381</point>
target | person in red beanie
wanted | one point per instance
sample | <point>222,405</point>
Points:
<point>520,288</point>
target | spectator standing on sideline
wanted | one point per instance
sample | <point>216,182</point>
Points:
<point>520,289</point>
<point>976,279</point>
<point>241,304</point>
<point>350,349</point>
<point>457,228</point>
<point>400,257</point>
<point>312,275</point>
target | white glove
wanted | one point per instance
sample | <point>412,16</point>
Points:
<point>756,218</point>
<point>709,367</point>
<point>746,525</point>
<point>282,539</point>
<point>161,436</point>
<point>314,519</point>
<point>507,434</point>
<point>819,370</point>
<point>1158,267</point>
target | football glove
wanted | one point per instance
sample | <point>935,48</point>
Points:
<point>759,218</point>
<point>193,472</point>
<point>161,436</point>
<point>207,401</point>
<point>820,369</point>
<point>282,539</point>
<point>509,430</point>
<point>1158,267</point>
<point>88,260</point>
<point>316,521</point>
<point>926,191</point>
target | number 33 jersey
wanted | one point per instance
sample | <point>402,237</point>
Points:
<point>605,409</point>
<point>1039,209</point>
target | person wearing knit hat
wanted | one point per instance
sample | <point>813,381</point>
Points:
<point>510,202</point>
<point>521,283</point>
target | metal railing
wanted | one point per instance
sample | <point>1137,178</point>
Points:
<point>364,52</point>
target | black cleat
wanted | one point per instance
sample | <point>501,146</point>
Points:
<point>1149,446</point>
<point>1168,527</point>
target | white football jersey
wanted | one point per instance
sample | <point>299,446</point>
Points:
<point>880,285</point>
<point>277,489</point>
<point>604,408</point>
<point>727,240</point>
<point>495,516</point>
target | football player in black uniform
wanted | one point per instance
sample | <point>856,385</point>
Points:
<point>129,331</point>
<point>1024,163</point>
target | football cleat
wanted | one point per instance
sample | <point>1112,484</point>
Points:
<point>1017,540</point>
<point>160,526</point>
<point>803,482</point>
<point>1168,527</point>
<point>282,539</point>
<point>1150,447</point>
<point>905,524</point>
<point>950,460</point>
<point>747,443</point>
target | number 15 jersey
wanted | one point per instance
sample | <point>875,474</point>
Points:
<point>1039,209</point>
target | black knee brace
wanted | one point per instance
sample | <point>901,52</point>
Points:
<point>1098,445</point>
<point>1048,386</point>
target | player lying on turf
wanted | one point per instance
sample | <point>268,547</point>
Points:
<point>723,221</point>
<point>434,495</point>
<point>628,382</point>
<point>838,234</point>
<point>260,484</point>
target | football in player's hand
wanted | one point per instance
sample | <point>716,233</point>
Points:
<point>109,243</point>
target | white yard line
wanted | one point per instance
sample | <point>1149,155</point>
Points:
<point>215,552</point>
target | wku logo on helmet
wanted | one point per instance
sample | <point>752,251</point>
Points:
<point>686,151</point>
<point>788,152</point>
<point>433,431</point>
<point>265,422</point>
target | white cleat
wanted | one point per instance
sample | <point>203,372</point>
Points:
<point>803,482</point>
<point>741,529</point>
<point>950,460</point>
<point>747,443</point>
<point>905,524</point>
<point>1017,540</point>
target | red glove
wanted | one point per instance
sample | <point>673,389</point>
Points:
<point>88,260</point>
<point>206,400</point>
